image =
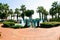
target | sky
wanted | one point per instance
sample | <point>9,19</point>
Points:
<point>30,4</point>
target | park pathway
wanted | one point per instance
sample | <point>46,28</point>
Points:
<point>30,33</point>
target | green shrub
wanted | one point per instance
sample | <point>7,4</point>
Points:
<point>55,20</point>
<point>11,21</point>
<point>17,26</point>
<point>49,24</point>
<point>8,24</point>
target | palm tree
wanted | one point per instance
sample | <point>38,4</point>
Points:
<point>29,14</point>
<point>1,7</point>
<point>52,12</point>
<point>23,9</point>
<point>54,4</point>
<point>5,10</point>
<point>40,10</point>
<point>45,13</point>
<point>1,10</point>
<point>58,10</point>
<point>17,12</point>
<point>54,9</point>
<point>10,12</point>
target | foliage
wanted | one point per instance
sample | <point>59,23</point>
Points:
<point>55,20</point>
<point>4,11</point>
<point>42,11</point>
<point>23,9</point>
<point>17,12</point>
<point>11,21</point>
<point>52,11</point>
<point>29,13</point>
<point>10,12</point>
<point>55,9</point>
<point>8,24</point>
<point>17,26</point>
<point>49,24</point>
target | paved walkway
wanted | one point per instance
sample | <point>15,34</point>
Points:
<point>30,34</point>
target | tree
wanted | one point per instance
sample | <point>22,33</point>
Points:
<point>52,12</point>
<point>23,9</point>
<point>39,10</point>
<point>17,12</point>
<point>54,4</point>
<point>4,11</point>
<point>10,12</point>
<point>29,14</point>
<point>55,9</point>
<point>1,10</point>
<point>58,10</point>
<point>45,13</point>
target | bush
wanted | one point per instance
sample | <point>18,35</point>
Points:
<point>11,21</point>
<point>55,20</point>
<point>49,24</point>
<point>17,26</point>
<point>8,24</point>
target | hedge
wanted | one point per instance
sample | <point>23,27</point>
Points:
<point>49,24</point>
<point>8,24</point>
<point>55,20</point>
<point>17,26</point>
<point>11,21</point>
<point>11,25</point>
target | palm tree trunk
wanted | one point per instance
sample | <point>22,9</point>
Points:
<point>23,16</point>
<point>40,15</point>
<point>45,17</point>
<point>38,20</point>
<point>38,23</point>
<point>17,17</point>
<point>58,15</point>
<point>11,16</point>
<point>52,16</point>
<point>26,23</point>
<point>31,22</point>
